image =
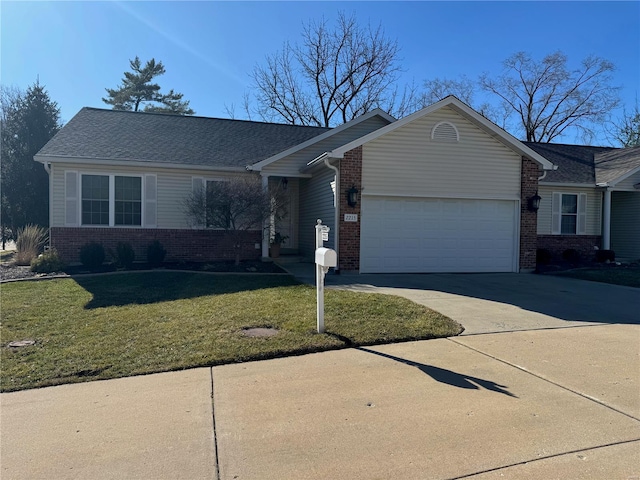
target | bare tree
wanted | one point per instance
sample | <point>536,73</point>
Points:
<point>332,76</point>
<point>547,98</point>
<point>438,88</point>
<point>626,130</point>
<point>465,90</point>
<point>237,205</point>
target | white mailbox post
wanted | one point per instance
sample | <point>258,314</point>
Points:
<point>325,258</point>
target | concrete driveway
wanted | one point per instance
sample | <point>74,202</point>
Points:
<point>498,302</point>
<point>541,404</point>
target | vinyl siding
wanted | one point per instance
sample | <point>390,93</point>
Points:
<point>316,202</point>
<point>625,225</point>
<point>628,183</point>
<point>594,208</point>
<point>408,162</point>
<point>173,186</point>
<point>292,164</point>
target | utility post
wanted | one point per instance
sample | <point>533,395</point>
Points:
<point>325,258</point>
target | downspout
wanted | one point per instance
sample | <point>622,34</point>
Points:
<point>606,221</point>
<point>336,219</point>
<point>47,168</point>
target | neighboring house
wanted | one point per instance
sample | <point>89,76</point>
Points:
<point>591,201</point>
<point>442,190</point>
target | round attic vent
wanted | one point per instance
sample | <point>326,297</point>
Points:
<point>445,132</point>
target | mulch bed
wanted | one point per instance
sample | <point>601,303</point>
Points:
<point>8,271</point>
<point>565,266</point>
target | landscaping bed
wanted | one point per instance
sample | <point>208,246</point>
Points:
<point>617,274</point>
<point>9,271</point>
<point>98,327</point>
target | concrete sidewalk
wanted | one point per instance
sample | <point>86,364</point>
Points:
<point>545,404</point>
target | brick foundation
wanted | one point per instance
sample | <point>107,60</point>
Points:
<point>529,174</point>
<point>350,175</point>
<point>584,244</point>
<point>181,245</point>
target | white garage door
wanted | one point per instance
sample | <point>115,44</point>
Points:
<point>401,235</point>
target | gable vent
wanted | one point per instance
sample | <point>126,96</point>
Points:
<point>445,132</point>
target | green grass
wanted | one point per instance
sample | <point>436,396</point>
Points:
<point>617,275</point>
<point>136,323</point>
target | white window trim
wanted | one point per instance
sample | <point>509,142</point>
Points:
<point>112,199</point>
<point>556,213</point>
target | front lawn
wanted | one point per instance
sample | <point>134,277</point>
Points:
<point>136,323</point>
<point>616,274</point>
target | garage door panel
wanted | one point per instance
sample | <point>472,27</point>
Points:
<point>437,235</point>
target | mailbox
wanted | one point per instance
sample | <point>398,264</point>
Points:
<point>325,257</point>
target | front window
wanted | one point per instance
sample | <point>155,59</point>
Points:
<point>95,200</point>
<point>111,200</point>
<point>569,212</point>
<point>128,201</point>
<point>218,210</point>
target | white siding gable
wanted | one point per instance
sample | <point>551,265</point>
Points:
<point>629,182</point>
<point>407,161</point>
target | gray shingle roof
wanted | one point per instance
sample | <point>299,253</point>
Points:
<point>614,164</point>
<point>161,138</point>
<point>576,163</point>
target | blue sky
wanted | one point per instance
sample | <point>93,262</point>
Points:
<point>209,48</point>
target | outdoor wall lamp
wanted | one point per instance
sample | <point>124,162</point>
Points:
<point>534,202</point>
<point>352,196</point>
<point>284,182</point>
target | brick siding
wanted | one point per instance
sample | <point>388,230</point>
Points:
<point>181,245</point>
<point>530,172</point>
<point>557,244</point>
<point>350,175</point>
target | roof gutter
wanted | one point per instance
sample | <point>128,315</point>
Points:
<point>44,159</point>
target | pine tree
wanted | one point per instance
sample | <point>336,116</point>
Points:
<point>28,121</point>
<point>137,92</point>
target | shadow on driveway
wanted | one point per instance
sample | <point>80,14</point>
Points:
<point>562,298</point>
<point>447,376</point>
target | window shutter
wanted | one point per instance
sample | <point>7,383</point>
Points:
<point>150,201</point>
<point>582,214</point>
<point>71,198</point>
<point>556,213</point>
<point>198,185</point>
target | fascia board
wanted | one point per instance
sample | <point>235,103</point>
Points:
<point>132,163</point>
<point>263,163</point>
<point>569,184</point>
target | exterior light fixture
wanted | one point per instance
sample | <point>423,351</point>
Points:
<point>534,202</point>
<point>352,196</point>
<point>284,182</point>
